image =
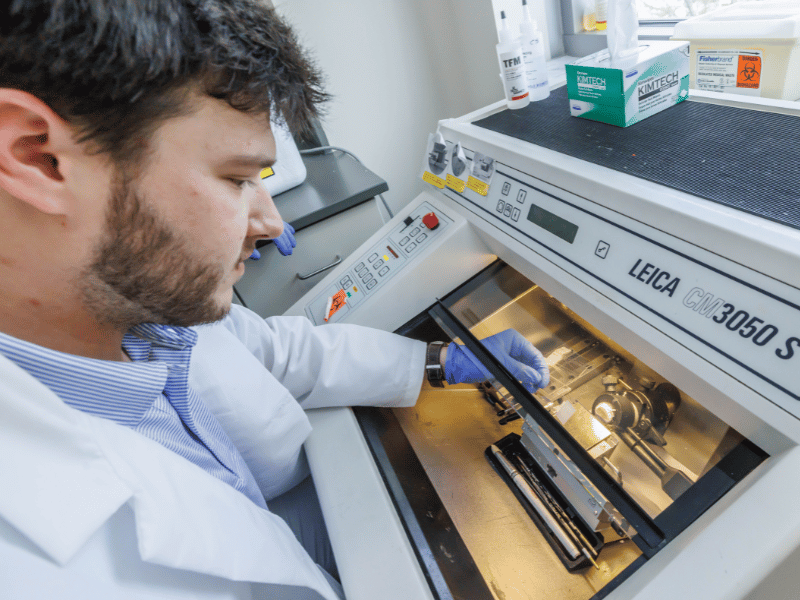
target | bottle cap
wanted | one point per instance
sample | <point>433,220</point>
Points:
<point>504,33</point>
<point>527,24</point>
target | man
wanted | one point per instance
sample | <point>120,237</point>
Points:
<point>139,444</point>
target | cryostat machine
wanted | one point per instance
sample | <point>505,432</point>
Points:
<point>661,460</point>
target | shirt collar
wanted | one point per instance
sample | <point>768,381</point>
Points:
<point>119,391</point>
<point>167,336</point>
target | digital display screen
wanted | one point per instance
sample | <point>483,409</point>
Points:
<point>553,223</point>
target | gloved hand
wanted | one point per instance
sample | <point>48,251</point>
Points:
<point>286,242</point>
<point>515,353</point>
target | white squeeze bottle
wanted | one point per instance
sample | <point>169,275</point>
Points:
<point>512,68</point>
<point>530,40</point>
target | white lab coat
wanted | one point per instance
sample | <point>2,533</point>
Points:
<point>90,509</point>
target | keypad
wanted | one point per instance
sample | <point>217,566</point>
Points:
<point>387,256</point>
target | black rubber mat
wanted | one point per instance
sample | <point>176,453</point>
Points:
<point>745,159</point>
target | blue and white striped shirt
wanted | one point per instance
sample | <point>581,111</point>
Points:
<point>150,395</point>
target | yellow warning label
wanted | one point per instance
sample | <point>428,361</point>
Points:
<point>476,185</point>
<point>268,172</point>
<point>455,183</point>
<point>429,177</point>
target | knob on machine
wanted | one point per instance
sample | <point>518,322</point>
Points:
<point>431,221</point>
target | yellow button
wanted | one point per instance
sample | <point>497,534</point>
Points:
<point>386,257</point>
<point>268,172</point>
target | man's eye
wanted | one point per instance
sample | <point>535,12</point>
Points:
<point>240,183</point>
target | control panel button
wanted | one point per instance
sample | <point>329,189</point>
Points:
<point>414,231</point>
<point>371,284</point>
<point>383,271</point>
<point>507,210</point>
<point>360,266</point>
<point>373,258</point>
<point>404,241</point>
<point>410,247</point>
<point>431,221</point>
<point>506,188</point>
<point>369,277</point>
<point>500,206</point>
<point>521,196</point>
<point>422,237</point>
<point>515,214</point>
<point>346,282</point>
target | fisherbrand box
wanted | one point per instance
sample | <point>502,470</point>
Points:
<point>624,91</point>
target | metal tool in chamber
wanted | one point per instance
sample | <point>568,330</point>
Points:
<point>575,517</point>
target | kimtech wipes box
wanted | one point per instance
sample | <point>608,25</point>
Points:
<point>624,91</point>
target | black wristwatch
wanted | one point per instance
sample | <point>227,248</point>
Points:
<point>433,364</point>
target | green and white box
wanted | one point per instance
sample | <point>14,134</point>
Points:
<point>623,92</point>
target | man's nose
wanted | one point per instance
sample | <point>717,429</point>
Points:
<point>264,221</point>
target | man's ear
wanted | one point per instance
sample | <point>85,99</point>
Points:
<point>33,139</point>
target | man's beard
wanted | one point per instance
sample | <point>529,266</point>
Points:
<point>143,271</point>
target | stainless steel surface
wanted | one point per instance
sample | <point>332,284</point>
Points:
<point>449,430</point>
<point>552,524</point>
<point>581,493</point>
<point>335,262</point>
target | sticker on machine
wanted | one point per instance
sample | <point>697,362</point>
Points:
<point>436,161</point>
<point>481,174</point>
<point>730,71</point>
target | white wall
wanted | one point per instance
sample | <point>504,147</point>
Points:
<point>395,68</point>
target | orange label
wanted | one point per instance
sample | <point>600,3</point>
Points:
<point>339,300</point>
<point>749,74</point>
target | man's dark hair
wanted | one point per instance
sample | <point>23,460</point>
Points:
<point>116,69</point>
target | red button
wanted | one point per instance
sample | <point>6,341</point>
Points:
<point>431,221</point>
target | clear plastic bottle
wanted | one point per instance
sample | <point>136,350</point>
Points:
<point>512,67</point>
<point>601,15</point>
<point>530,40</point>
<point>589,17</point>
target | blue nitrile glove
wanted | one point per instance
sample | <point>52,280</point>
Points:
<point>255,255</point>
<point>286,242</point>
<point>513,351</point>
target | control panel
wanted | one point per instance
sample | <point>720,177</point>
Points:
<point>370,271</point>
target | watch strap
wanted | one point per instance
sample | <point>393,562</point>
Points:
<point>433,364</point>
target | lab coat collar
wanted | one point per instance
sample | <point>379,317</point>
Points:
<point>46,468</point>
<point>69,472</point>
